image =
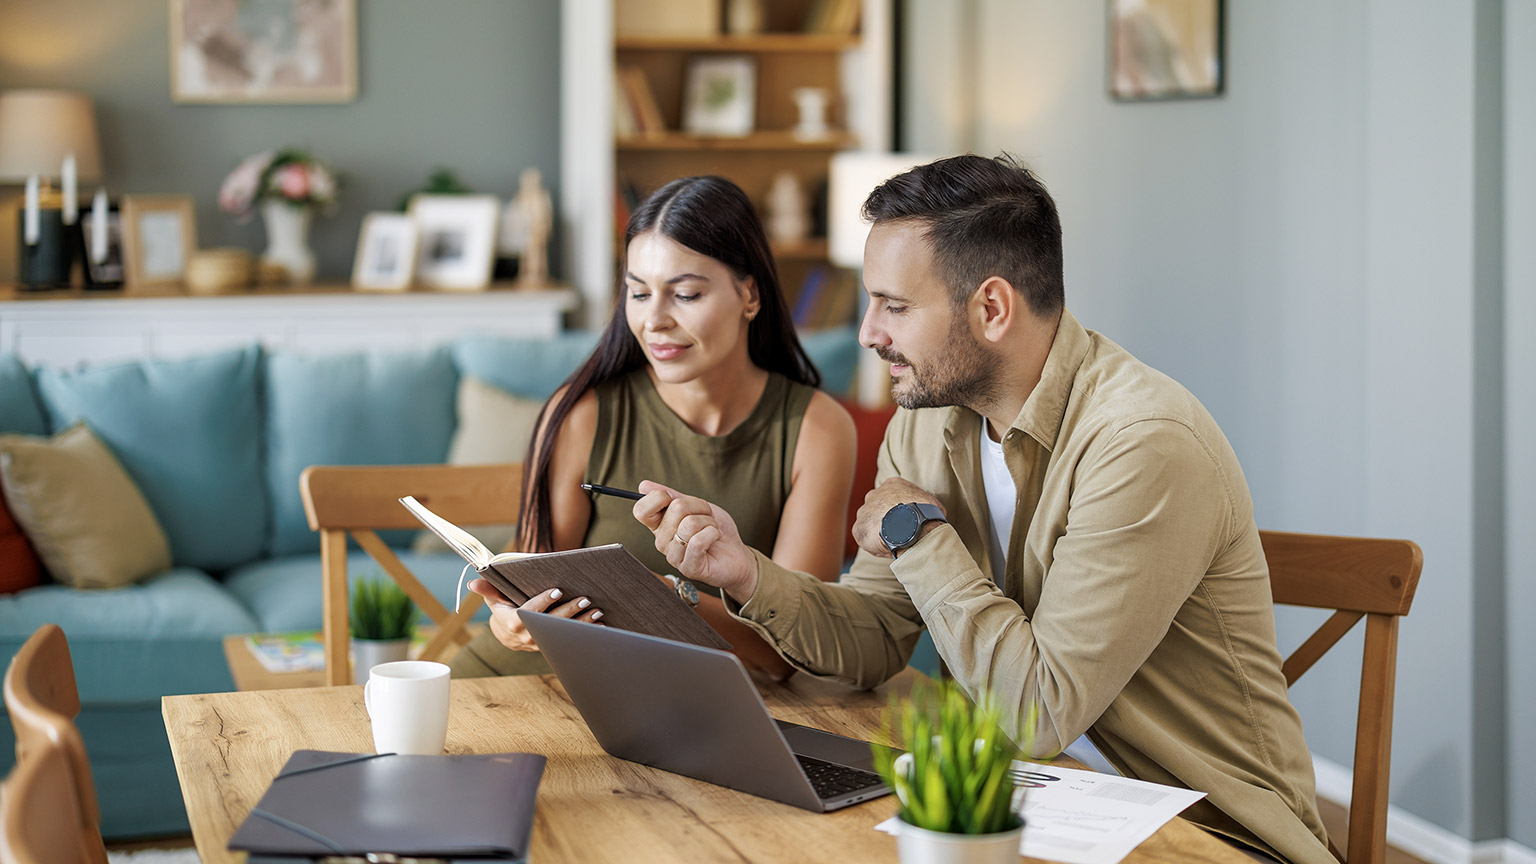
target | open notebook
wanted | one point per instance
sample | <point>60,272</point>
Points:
<point>630,596</point>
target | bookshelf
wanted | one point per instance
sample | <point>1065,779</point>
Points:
<point>606,155</point>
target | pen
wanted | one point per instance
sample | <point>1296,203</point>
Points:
<point>609,490</point>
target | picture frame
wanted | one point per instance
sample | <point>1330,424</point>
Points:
<point>269,51</point>
<point>720,98</point>
<point>386,253</point>
<point>456,240</point>
<point>108,272</point>
<point>159,236</point>
<point>1166,49</point>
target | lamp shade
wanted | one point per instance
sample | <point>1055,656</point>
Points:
<point>38,128</point>
<point>853,175</point>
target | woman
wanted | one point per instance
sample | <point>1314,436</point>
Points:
<point>698,382</point>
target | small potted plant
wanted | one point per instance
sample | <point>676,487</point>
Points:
<point>955,782</point>
<point>383,620</point>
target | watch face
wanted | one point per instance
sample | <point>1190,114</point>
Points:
<point>900,526</point>
<point>688,591</point>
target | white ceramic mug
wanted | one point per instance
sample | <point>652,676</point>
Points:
<point>407,700</point>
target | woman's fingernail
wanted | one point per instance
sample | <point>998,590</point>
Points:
<point>596,615</point>
<point>583,603</point>
<point>554,594</point>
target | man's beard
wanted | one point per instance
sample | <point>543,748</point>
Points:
<point>965,375</point>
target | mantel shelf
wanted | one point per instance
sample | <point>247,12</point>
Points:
<point>769,140</point>
<point>555,293</point>
<point>762,43</point>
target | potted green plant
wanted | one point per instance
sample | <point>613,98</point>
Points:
<point>955,782</point>
<point>383,620</point>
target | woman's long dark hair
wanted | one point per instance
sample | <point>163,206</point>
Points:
<point>713,217</point>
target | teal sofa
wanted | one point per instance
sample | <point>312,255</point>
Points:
<point>216,444</point>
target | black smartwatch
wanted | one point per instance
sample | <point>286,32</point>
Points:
<point>902,523</point>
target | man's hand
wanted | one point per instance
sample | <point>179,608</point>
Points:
<point>508,628</point>
<point>895,490</point>
<point>699,539</point>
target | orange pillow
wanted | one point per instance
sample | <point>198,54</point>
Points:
<point>19,565</point>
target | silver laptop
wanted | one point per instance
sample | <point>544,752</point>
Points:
<point>694,711</point>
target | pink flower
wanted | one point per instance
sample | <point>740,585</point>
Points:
<point>293,181</point>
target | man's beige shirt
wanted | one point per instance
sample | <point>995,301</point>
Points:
<point>1136,605</point>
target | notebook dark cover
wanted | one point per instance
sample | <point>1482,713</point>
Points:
<point>455,807</point>
<point>630,596</point>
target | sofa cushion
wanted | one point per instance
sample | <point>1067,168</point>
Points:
<point>284,593</point>
<point>494,426</point>
<point>137,643</point>
<point>19,565</point>
<point>188,431</point>
<point>531,368</point>
<point>81,510</point>
<point>350,409</point>
<point>836,355</point>
<point>20,411</point>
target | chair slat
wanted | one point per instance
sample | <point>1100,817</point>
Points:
<point>1318,644</point>
<point>367,497</point>
<point>1355,573</point>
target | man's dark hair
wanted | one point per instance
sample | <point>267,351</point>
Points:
<point>983,218</point>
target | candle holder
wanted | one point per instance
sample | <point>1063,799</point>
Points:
<point>45,264</point>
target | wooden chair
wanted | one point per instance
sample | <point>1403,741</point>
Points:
<point>361,500</point>
<point>40,813</point>
<point>41,697</point>
<point>1358,578</point>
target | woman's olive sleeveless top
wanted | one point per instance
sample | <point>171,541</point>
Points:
<point>745,471</point>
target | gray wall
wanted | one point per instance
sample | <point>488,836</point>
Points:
<point>1320,256</point>
<point>473,85</point>
<point>1520,410</point>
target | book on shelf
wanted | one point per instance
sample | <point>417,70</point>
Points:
<point>630,596</point>
<point>833,17</point>
<point>827,298</point>
<point>288,652</point>
<point>641,102</point>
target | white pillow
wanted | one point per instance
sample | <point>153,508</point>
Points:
<point>494,427</point>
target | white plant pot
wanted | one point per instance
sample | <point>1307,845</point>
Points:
<point>288,240</point>
<point>916,845</point>
<point>368,653</point>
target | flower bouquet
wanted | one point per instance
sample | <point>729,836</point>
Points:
<point>289,176</point>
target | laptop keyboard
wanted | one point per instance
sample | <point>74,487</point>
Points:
<point>831,780</point>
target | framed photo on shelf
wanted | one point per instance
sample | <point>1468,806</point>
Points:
<point>456,240</point>
<point>290,53</point>
<point>1165,49</point>
<point>386,253</point>
<point>159,235</point>
<point>103,256</point>
<point>720,98</point>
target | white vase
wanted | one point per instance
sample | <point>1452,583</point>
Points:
<point>368,653</point>
<point>916,845</point>
<point>288,240</point>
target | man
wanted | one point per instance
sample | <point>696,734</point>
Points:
<point>1070,525</point>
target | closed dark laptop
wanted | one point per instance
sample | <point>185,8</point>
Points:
<point>694,711</point>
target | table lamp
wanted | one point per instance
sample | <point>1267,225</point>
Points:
<point>47,135</point>
<point>852,176</point>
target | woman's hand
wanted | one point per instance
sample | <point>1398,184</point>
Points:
<point>508,628</point>
<point>699,539</point>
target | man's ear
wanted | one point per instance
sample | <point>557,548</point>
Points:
<point>994,306</point>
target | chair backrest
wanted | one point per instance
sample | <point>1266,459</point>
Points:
<point>1359,578</point>
<point>40,815</point>
<point>42,700</point>
<point>361,500</point>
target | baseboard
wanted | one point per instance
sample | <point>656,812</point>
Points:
<point>1418,836</point>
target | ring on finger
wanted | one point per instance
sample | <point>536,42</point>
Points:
<point>678,538</point>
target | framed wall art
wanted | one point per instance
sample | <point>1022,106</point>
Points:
<point>287,51</point>
<point>721,96</point>
<point>1165,49</point>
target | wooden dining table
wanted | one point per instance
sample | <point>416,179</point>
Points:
<point>592,807</point>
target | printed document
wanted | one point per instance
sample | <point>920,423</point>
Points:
<point>1082,817</point>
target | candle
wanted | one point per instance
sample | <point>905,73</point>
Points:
<point>29,221</point>
<point>67,180</point>
<point>99,227</point>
